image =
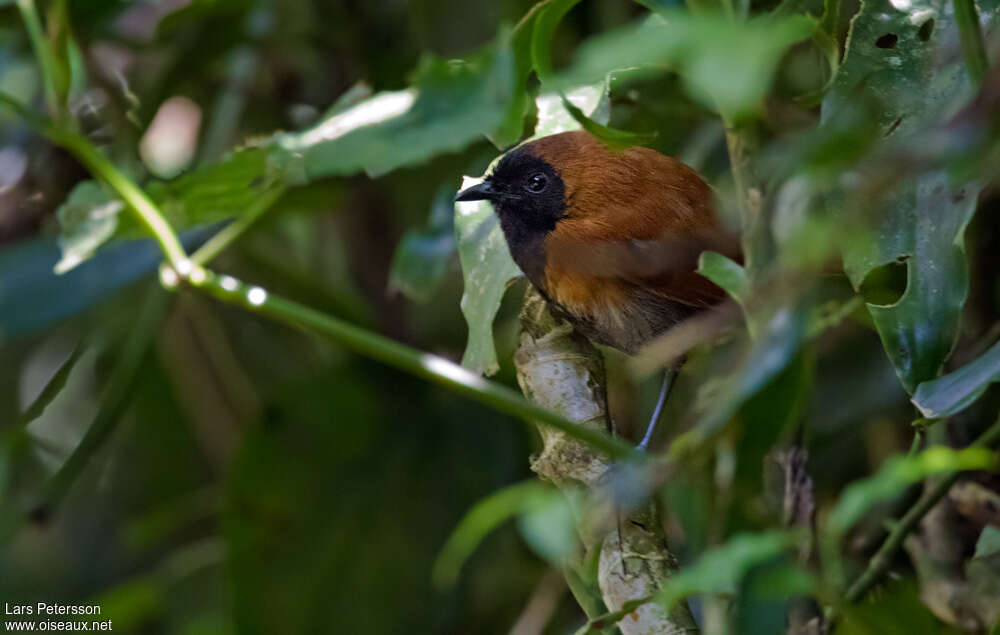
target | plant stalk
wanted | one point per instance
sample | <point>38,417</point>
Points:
<point>879,564</point>
<point>33,24</point>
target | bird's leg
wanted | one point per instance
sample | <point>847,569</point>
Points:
<point>669,374</point>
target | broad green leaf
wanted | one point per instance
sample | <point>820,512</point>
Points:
<point>33,297</point>
<point>721,569</point>
<point>897,474</point>
<point>483,518</point>
<point>487,267</point>
<point>726,64</point>
<point>895,60</point>
<point>956,391</point>
<point>451,104</point>
<point>218,191</point>
<point>422,258</point>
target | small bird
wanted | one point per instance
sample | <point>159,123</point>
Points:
<point>609,237</point>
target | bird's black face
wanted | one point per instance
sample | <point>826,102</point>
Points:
<point>530,198</point>
<point>526,192</point>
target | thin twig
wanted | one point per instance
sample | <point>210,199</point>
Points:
<point>879,564</point>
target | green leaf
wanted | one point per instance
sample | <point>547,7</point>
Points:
<point>132,603</point>
<point>549,527</point>
<point>88,218</point>
<point>727,274</point>
<point>549,15</point>
<point>421,260</point>
<point>451,104</point>
<point>893,62</point>
<point>32,297</point>
<point>511,128</point>
<point>721,569</point>
<point>726,64</point>
<point>988,543</point>
<point>218,191</point>
<point>615,138</point>
<point>956,391</point>
<point>765,596</point>
<point>483,518</point>
<point>52,388</point>
<point>487,267</point>
<point>897,474</point>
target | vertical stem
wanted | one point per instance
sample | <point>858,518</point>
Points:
<point>29,14</point>
<point>971,35</point>
<point>740,143</point>
<point>831,16</point>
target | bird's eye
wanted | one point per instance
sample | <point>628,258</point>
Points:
<point>536,183</point>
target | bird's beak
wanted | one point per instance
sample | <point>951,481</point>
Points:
<point>482,191</point>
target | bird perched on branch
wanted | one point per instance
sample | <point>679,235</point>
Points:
<point>610,238</point>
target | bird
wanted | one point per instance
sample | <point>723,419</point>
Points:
<point>609,236</point>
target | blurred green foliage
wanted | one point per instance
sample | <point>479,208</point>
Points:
<point>193,468</point>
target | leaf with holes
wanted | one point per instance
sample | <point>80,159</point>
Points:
<point>894,59</point>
